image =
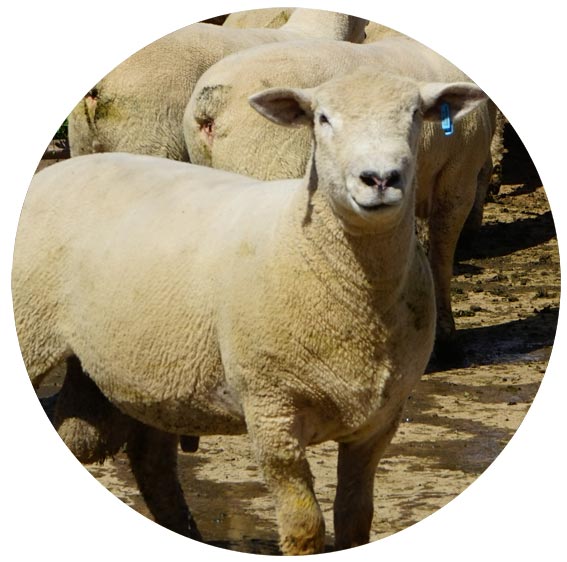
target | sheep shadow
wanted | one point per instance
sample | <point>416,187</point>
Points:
<point>502,239</point>
<point>222,508</point>
<point>475,444</point>
<point>510,341</point>
<point>524,339</point>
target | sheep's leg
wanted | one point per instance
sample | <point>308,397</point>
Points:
<point>88,423</point>
<point>153,459</point>
<point>474,220</point>
<point>286,471</point>
<point>448,215</point>
<point>354,500</point>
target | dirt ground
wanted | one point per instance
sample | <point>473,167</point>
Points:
<point>506,301</point>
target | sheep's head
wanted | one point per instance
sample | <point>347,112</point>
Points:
<point>366,128</point>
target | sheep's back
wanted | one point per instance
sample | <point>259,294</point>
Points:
<point>130,252</point>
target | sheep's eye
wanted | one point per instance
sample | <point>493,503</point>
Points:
<point>323,119</point>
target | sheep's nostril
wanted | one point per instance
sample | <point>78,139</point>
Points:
<point>370,178</point>
<point>392,178</point>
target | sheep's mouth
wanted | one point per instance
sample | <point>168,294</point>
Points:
<point>371,199</point>
<point>372,207</point>
<point>376,205</point>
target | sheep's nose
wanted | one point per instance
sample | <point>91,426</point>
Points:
<point>373,179</point>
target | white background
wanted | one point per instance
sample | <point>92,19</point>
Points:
<point>52,53</point>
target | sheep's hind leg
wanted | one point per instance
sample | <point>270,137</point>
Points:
<point>447,218</point>
<point>286,471</point>
<point>153,459</point>
<point>474,220</point>
<point>88,423</point>
<point>354,500</point>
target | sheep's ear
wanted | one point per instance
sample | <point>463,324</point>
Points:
<point>285,106</point>
<point>457,98</point>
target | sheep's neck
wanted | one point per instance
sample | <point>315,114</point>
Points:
<point>375,264</point>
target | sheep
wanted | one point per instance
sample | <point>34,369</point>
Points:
<point>276,17</point>
<point>272,18</point>
<point>221,131</point>
<point>197,301</point>
<point>489,182</point>
<point>138,107</point>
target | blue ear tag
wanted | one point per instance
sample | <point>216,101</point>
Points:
<point>446,122</point>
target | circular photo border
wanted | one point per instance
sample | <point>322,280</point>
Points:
<point>513,52</point>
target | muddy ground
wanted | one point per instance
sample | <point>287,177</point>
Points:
<point>506,300</point>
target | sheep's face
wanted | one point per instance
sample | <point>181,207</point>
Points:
<point>366,148</point>
<point>366,129</point>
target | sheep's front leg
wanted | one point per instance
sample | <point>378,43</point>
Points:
<point>281,456</point>
<point>153,459</point>
<point>354,500</point>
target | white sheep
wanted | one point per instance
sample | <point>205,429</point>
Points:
<point>276,17</point>
<point>264,17</point>
<point>489,181</point>
<point>221,131</point>
<point>138,107</point>
<point>203,302</point>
